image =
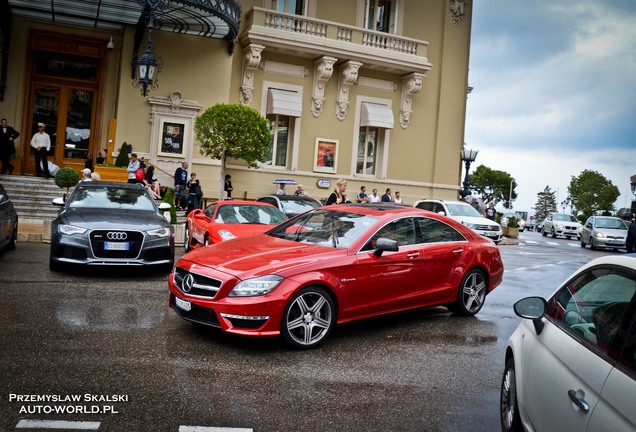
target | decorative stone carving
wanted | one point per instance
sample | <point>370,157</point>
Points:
<point>298,71</point>
<point>322,73</point>
<point>348,77</point>
<point>411,85</point>
<point>251,60</point>
<point>458,9</point>
<point>175,101</point>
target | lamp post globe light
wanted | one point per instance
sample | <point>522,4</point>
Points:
<point>468,157</point>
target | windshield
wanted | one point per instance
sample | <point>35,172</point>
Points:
<point>565,218</point>
<point>249,214</point>
<point>462,210</point>
<point>294,207</point>
<point>609,223</point>
<point>111,198</point>
<point>336,229</point>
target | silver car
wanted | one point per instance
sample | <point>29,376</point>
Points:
<point>570,366</point>
<point>561,224</point>
<point>605,232</point>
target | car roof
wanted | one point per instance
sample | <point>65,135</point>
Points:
<point>235,201</point>
<point>119,185</point>
<point>441,201</point>
<point>624,260</point>
<point>377,209</point>
<point>289,197</point>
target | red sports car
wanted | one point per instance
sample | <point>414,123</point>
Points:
<point>332,265</point>
<point>225,220</point>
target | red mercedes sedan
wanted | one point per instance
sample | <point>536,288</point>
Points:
<point>333,265</point>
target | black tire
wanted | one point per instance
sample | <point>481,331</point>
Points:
<point>471,294</point>
<point>592,245</point>
<point>543,233</point>
<point>554,235</point>
<point>309,318</point>
<point>55,266</point>
<point>508,407</point>
<point>14,238</point>
<point>582,243</point>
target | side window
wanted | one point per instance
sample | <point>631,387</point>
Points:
<point>401,230</point>
<point>425,206</point>
<point>269,201</point>
<point>593,308</point>
<point>209,211</point>
<point>589,223</point>
<point>434,231</point>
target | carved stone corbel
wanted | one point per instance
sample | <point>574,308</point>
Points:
<point>411,85</point>
<point>322,73</point>
<point>458,9</point>
<point>251,60</point>
<point>348,77</point>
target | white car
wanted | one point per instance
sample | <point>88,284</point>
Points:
<point>571,363</point>
<point>561,224</point>
<point>465,214</point>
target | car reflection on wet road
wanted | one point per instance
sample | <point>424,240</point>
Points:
<point>108,333</point>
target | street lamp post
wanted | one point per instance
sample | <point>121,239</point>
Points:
<point>468,157</point>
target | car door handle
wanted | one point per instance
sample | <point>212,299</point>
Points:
<point>413,255</point>
<point>579,402</point>
<point>458,251</point>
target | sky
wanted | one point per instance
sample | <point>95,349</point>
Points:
<point>554,93</point>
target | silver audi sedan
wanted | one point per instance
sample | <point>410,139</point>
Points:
<point>104,223</point>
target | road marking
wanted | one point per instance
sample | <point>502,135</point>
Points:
<point>212,429</point>
<point>532,242</point>
<point>57,424</point>
<point>553,243</point>
<point>574,245</point>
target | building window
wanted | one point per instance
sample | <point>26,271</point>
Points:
<point>379,15</point>
<point>289,6</point>
<point>279,131</point>
<point>367,145</point>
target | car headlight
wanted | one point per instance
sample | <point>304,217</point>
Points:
<point>226,235</point>
<point>559,226</point>
<point>159,232</point>
<point>599,235</point>
<point>470,225</point>
<point>70,229</point>
<point>255,287</point>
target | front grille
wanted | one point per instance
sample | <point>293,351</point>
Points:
<point>487,228</point>
<point>198,314</point>
<point>195,284</point>
<point>157,254</point>
<point>100,238</point>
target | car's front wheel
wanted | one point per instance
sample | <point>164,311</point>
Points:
<point>582,243</point>
<point>187,243</point>
<point>509,409</point>
<point>14,237</point>
<point>472,294</point>
<point>544,233</point>
<point>554,234</point>
<point>309,318</point>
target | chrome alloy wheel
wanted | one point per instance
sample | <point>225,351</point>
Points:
<point>473,292</point>
<point>308,318</point>
<point>509,411</point>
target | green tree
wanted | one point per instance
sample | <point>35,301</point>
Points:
<point>493,185</point>
<point>232,130</point>
<point>546,203</point>
<point>591,191</point>
<point>122,158</point>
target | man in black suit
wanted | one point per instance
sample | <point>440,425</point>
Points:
<point>631,238</point>
<point>7,136</point>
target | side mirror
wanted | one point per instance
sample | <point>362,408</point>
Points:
<point>384,244</point>
<point>59,201</point>
<point>533,308</point>
<point>443,213</point>
<point>164,206</point>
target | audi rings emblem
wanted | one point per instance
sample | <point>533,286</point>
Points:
<point>116,235</point>
<point>188,283</point>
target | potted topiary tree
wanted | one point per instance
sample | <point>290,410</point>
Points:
<point>171,215</point>
<point>66,178</point>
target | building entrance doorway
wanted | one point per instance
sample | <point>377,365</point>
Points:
<point>63,94</point>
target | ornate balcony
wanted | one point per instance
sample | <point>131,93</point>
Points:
<point>313,38</point>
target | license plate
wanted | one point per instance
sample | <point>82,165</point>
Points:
<point>490,234</point>
<point>121,246</point>
<point>182,304</point>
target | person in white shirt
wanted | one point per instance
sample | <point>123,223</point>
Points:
<point>374,198</point>
<point>86,175</point>
<point>41,143</point>
<point>281,189</point>
<point>398,198</point>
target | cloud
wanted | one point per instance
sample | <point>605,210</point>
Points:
<point>554,92</point>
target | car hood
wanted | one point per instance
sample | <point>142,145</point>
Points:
<point>258,255</point>
<point>242,230</point>
<point>112,219</point>
<point>475,220</point>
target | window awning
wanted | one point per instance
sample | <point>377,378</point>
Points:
<point>284,102</point>
<point>376,115</point>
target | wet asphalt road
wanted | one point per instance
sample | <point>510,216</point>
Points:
<point>110,341</point>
